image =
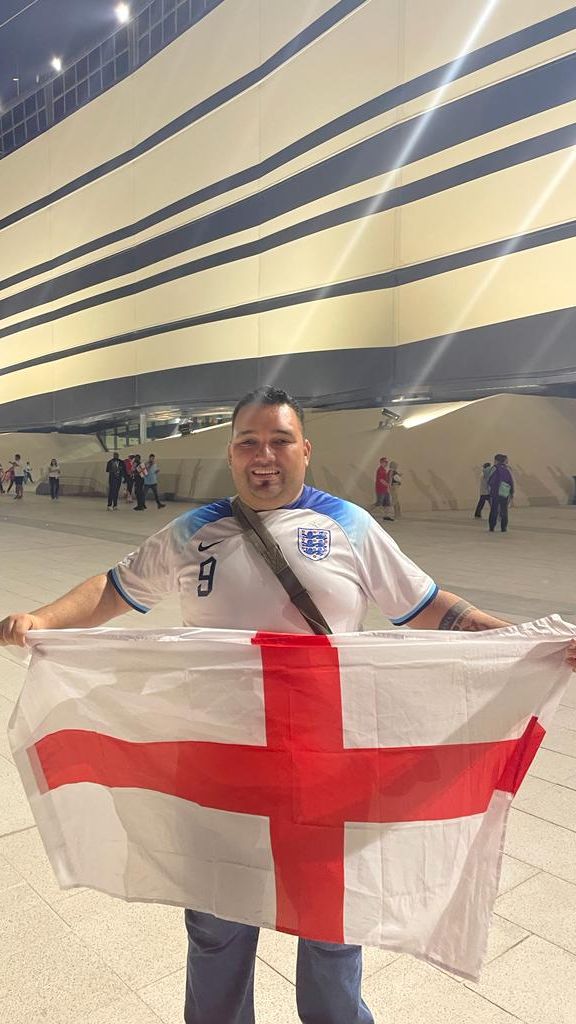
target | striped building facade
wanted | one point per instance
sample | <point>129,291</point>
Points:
<point>358,201</point>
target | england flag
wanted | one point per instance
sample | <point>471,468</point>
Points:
<point>352,788</point>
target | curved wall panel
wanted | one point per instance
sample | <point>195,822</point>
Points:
<point>354,199</point>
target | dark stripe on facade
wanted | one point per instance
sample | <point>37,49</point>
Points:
<point>373,282</point>
<point>514,43</point>
<point>537,349</point>
<point>493,107</point>
<point>308,35</point>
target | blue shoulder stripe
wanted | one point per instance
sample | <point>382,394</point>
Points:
<point>187,525</point>
<point>355,521</point>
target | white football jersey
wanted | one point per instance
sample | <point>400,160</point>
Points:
<point>340,554</point>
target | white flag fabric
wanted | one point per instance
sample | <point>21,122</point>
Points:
<point>351,788</point>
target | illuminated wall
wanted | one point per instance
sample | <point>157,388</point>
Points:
<point>357,199</point>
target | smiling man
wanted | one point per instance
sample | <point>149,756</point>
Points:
<point>268,454</point>
<point>345,560</point>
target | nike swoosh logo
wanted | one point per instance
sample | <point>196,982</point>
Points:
<point>204,547</point>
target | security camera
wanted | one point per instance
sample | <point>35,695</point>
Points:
<point>389,421</point>
<point>389,415</point>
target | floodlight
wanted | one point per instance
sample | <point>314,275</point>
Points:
<point>122,12</point>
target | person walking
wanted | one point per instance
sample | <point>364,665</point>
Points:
<point>501,493</point>
<point>28,474</point>
<point>18,477</point>
<point>139,489</point>
<point>54,479</point>
<point>1,479</point>
<point>115,470</point>
<point>346,559</point>
<point>151,480</point>
<point>484,490</point>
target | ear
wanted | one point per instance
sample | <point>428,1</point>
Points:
<point>307,451</point>
<point>229,454</point>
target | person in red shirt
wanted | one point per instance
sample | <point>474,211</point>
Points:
<point>382,484</point>
<point>129,476</point>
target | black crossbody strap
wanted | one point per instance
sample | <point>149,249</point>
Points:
<point>264,543</point>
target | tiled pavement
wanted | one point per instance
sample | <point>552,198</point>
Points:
<point>83,958</point>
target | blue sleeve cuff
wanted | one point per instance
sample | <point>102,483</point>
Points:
<point>113,577</point>
<point>426,600</point>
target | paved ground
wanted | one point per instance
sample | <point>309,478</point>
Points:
<point>83,958</point>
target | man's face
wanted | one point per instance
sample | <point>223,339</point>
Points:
<point>268,455</point>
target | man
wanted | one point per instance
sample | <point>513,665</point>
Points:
<point>151,480</point>
<point>501,483</point>
<point>129,476</point>
<point>139,487</point>
<point>115,470</point>
<point>344,558</point>
<point>395,484</point>
<point>484,489</point>
<point>18,476</point>
<point>382,487</point>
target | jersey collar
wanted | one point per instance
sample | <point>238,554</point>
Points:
<point>304,500</point>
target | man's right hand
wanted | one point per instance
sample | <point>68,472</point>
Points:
<point>13,628</point>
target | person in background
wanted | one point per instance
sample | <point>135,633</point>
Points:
<point>1,479</point>
<point>18,477</point>
<point>484,490</point>
<point>115,470</point>
<point>28,474</point>
<point>9,478</point>
<point>382,487</point>
<point>395,482</point>
<point>151,480</point>
<point>501,493</point>
<point>129,476</point>
<point>139,475</point>
<point>54,479</point>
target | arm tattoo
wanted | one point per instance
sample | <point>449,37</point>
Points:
<point>458,617</point>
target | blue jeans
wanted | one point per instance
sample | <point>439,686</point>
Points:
<point>498,507</point>
<point>220,977</point>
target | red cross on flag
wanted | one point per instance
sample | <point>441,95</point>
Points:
<point>346,789</point>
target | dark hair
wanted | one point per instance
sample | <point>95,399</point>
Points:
<point>268,395</point>
<point>115,455</point>
<point>485,465</point>
<point>500,458</point>
<point>151,456</point>
<point>17,456</point>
